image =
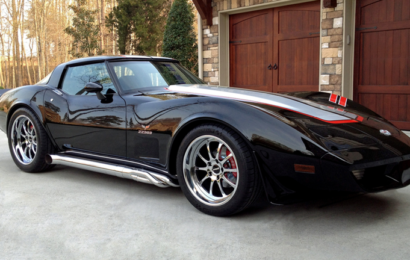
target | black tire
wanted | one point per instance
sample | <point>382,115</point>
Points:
<point>248,184</point>
<point>43,143</point>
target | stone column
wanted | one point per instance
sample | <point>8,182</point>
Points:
<point>332,48</point>
<point>210,48</point>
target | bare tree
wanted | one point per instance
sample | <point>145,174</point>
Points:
<point>14,14</point>
<point>24,55</point>
<point>2,50</point>
<point>102,23</point>
<point>32,38</point>
<point>31,43</point>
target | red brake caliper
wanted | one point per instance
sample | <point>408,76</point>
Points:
<point>231,162</point>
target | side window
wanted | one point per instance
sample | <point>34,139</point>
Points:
<point>77,77</point>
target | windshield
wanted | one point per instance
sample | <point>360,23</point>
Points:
<point>136,75</point>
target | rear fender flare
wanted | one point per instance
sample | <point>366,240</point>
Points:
<point>21,104</point>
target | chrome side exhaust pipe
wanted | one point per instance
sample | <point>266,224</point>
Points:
<point>140,175</point>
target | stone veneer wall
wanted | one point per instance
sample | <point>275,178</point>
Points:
<point>211,47</point>
<point>332,43</point>
<point>332,48</point>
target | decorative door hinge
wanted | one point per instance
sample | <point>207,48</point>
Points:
<point>367,28</point>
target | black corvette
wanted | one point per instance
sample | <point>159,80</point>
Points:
<point>150,120</point>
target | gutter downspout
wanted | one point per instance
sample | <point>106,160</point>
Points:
<point>200,48</point>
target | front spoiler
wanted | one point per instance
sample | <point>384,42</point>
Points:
<point>380,175</point>
<point>281,182</point>
<point>380,162</point>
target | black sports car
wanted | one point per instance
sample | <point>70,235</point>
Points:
<point>150,120</point>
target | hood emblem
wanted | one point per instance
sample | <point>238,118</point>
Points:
<point>145,126</point>
<point>385,132</point>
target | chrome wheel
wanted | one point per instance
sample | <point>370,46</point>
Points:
<point>24,140</point>
<point>210,170</point>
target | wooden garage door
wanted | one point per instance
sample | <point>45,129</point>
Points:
<point>382,56</point>
<point>276,50</point>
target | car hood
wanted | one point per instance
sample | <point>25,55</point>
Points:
<point>343,131</point>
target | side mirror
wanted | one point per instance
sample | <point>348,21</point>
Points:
<point>96,88</point>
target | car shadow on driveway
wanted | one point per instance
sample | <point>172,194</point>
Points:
<point>340,211</point>
<point>90,180</point>
<point>337,212</point>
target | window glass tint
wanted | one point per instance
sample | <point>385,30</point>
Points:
<point>134,75</point>
<point>77,77</point>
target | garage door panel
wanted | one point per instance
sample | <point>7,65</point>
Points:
<point>368,100</point>
<point>406,11</point>
<point>404,63</point>
<point>403,108</point>
<point>408,113</point>
<point>386,105</point>
<point>250,27</point>
<point>307,22</point>
<point>399,107</point>
<point>397,58</point>
<point>379,66</point>
<point>250,51</point>
<point>380,104</point>
<point>296,33</point>
<point>287,37</point>
<point>365,62</point>
<point>299,66</point>
<point>394,107</point>
<point>384,11</point>
<point>379,14</point>
<point>372,45</point>
<point>250,71</point>
<point>401,10</point>
<point>398,8</point>
<point>385,58</point>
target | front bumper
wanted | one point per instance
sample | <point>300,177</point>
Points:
<point>393,173</point>
<point>281,181</point>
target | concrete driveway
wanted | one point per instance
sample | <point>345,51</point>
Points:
<point>74,214</point>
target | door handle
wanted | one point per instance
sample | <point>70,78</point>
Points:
<point>275,67</point>
<point>270,67</point>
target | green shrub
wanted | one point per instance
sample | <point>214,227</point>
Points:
<point>139,25</point>
<point>179,37</point>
